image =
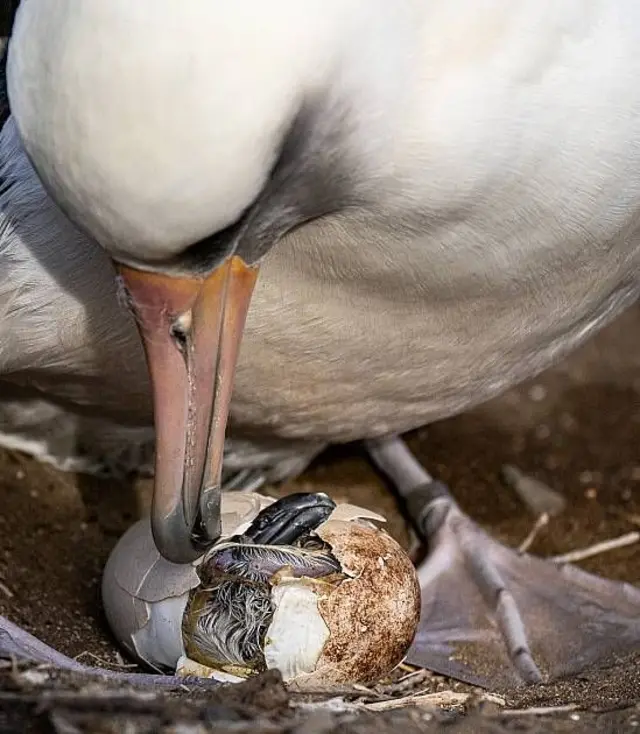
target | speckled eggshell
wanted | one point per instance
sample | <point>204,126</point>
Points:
<point>373,616</point>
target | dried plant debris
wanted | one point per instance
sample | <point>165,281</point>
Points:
<point>58,703</point>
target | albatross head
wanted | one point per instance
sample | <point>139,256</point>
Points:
<point>187,137</point>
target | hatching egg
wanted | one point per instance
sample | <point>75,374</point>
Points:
<point>339,606</point>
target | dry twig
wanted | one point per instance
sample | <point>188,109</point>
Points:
<point>541,522</point>
<point>598,548</point>
<point>633,519</point>
<point>104,661</point>
<point>441,698</point>
<point>539,710</point>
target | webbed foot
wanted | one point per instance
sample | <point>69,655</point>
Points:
<point>493,616</point>
<point>18,645</point>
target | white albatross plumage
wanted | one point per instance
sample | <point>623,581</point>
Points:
<point>74,387</point>
<point>503,230</point>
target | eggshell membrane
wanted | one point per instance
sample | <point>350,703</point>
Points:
<point>373,616</point>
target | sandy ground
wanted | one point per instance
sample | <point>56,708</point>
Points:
<point>577,428</point>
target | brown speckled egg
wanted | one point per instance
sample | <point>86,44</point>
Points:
<point>341,608</point>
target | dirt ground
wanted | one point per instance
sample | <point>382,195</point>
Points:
<point>577,428</point>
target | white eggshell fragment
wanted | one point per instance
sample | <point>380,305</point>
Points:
<point>187,668</point>
<point>294,649</point>
<point>145,596</point>
<point>352,622</point>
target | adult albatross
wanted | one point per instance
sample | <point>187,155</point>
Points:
<point>443,198</point>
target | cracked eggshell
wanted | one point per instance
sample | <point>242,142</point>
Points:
<point>371,617</point>
<point>145,596</point>
<point>341,630</point>
<point>354,631</point>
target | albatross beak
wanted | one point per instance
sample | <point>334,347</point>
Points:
<point>191,328</point>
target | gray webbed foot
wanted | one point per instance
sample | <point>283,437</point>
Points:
<point>491,615</point>
<point>18,645</point>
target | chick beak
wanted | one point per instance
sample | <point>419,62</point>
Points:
<point>290,518</point>
<point>191,328</point>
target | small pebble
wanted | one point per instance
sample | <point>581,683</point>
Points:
<point>20,474</point>
<point>591,493</point>
<point>575,717</point>
<point>537,496</point>
<point>543,432</point>
<point>537,393</point>
<point>590,477</point>
<point>551,462</point>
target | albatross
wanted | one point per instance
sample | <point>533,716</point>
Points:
<point>362,217</point>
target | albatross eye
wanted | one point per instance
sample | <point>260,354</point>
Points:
<point>180,334</point>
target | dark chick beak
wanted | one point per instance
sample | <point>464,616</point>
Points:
<point>191,328</point>
<point>291,517</point>
<point>267,544</point>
